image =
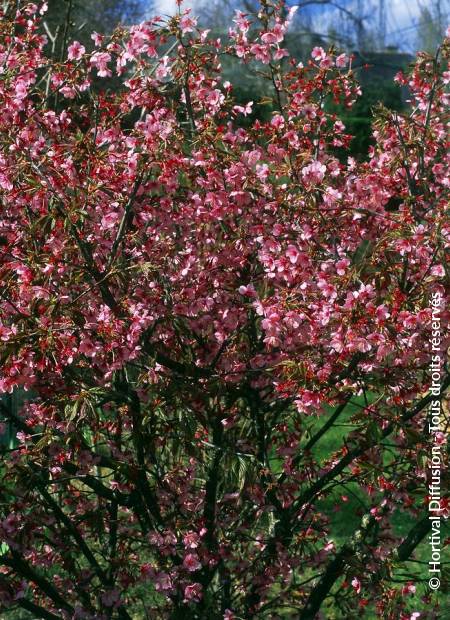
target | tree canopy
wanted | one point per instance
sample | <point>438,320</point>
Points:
<point>231,332</point>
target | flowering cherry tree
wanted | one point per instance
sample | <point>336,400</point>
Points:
<point>193,306</point>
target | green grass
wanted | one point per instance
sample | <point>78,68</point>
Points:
<point>345,516</point>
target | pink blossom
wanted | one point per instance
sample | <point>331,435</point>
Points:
<point>245,110</point>
<point>100,60</point>
<point>271,322</point>
<point>438,270</point>
<point>261,52</point>
<point>293,254</point>
<point>307,400</point>
<point>87,347</point>
<point>191,562</point>
<point>382,312</point>
<point>187,24</point>
<point>276,35</point>
<point>262,171</point>
<point>21,89</point>
<point>31,9</point>
<point>248,290</point>
<point>228,422</point>
<point>314,173</point>
<point>6,332</point>
<point>408,588</point>
<point>277,121</point>
<point>341,266</point>
<point>440,438</point>
<point>326,62</point>
<point>97,38</point>
<point>403,246</point>
<point>280,53</point>
<point>68,92</point>
<point>318,53</point>
<point>163,582</point>
<point>193,592</point>
<point>241,21</point>
<point>356,585</point>
<point>191,540</point>
<point>164,68</point>
<point>342,61</point>
<point>75,51</point>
